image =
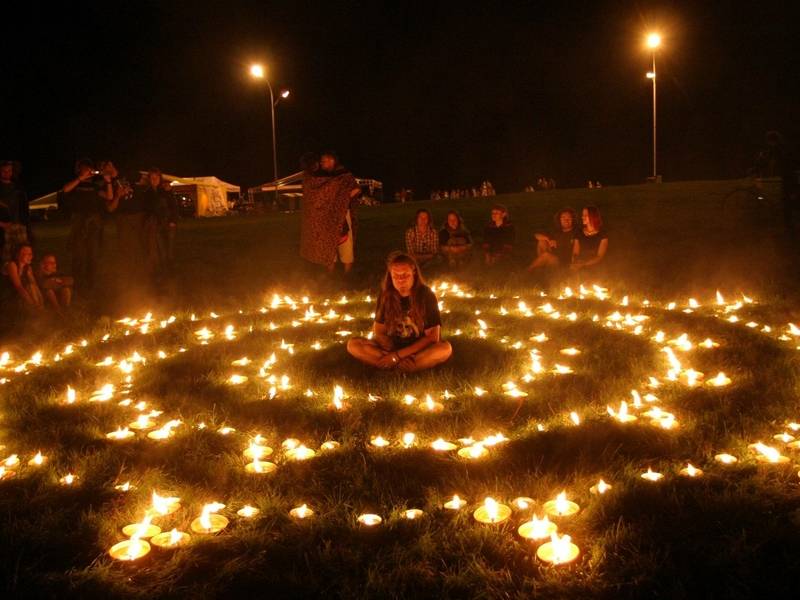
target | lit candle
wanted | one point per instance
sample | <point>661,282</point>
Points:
<point>558,550</point>
<point>441,445</point>
<point>165,505</point>
<point>71,396</point>
<point>131,549</point>
<point>455,503</point>
<point>329,445</point>
<point>247,511</point>
<point>473,452</point>
<point>120,434</point>
<point>651,475</point>
<point>600,488</point>
<point>768,454</point>
<point>38,460</point>
<point>300,453</point>
<point>412,514</point>
<point>561,507</point>
<point>430,405</point>
<point>369,520</point>
<point>302,512</point>
<point>720,380</point>
<point>570,351</point>
<point>260,467</point>
<point>338,398</point>
<point>170,539</point>
<point>144,529</point>
<point>491,512</point>
<point>725,459</point>
<point>237,379</point>
<point>256,451</point>
<point>379,441</point>
<point>409,439</point>
<point>522,503</point>
<point>537,529</point>
<point>691,471</point>
<point>209,521</point>
<point>68,479</point>
<point>622,415</point>
<point>6,473</point>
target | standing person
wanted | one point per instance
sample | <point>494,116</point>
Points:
<point>554,247</point>
<point>160,223</point>
<point>328,224</point>
<point>776,160</point>
<point>422,240</point>
<point>14,212</point>
<point>591,242</point>
<point>498,236</point>
<point>20,274</point>
<point>83,198</point>
<point>455,240</point>
<point>407,332</point>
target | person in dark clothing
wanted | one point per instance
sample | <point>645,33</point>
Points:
<point>407,327</point>
<point>15,223</point>
<point>160,223</point>
<point>455,241</point>
<point>498,236</point>
<point>554,248</point>
<point>84,200</point>
<point>776,160</point>
<point>591,242</point>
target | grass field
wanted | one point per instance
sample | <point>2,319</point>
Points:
<point>268,360</point>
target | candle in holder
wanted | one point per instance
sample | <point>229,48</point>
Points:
<point>71,396</point>
<point>170,539</point>
<point>38,460</point>
<point>600,488</point>
<point>209,521</point>
<point>768,454</point>
<point>720,380</point>
<point>430,405</point>
<point>256,451</point>
<point>726,459</point>
<point>441,445</point>
<point>68,479</point>
<point>163,506</point>
<point>691,471</point>
<point>131,549</point>
<point>522,503</point>
<point>622,414</point>
<point>561,507</point>
<point>651,475</point>
<point>412,514</point>
<point>6,473</point>
<point>455,503</point>
<point>409,439</point>
<point>379,441</point>
<point>260,467</point>
<point>11,461</point>
<point>491,512</point>
<point>369,520</point>
<point>144,530</point>
<point>558,550</point>
<point>247,511</point>
<point>537,529</point>
<point>302,512</point>
<point>143,421</point>
<point>329,445</point>
<point>474,451</point>
<point>300,453</point>
<point>120,434</point>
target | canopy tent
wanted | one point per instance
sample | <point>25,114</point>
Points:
<point>291,188</point>
<point>202,196</point>
<point>45,203</point>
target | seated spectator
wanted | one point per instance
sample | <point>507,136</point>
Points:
<point>407,329</point>
<point>554,248</point>
<point>55,287</point>
<point>455,241</point>
<point>422,241</point>
<point>20,274</point>
<point>591,242</point>
<point>498,236</point>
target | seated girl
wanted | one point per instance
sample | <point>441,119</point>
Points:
<point>20,274</point>
<point>498,236</point>
<point>455,241</point>
<point>55,287</point>
<point>407,327</point>
<point>422,241</point>
<point>591,242</point>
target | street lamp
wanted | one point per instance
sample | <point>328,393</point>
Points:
<point>257,72</point>
<point>653,41</point>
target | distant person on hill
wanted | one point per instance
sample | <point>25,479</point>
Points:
<point>20,274</point>
<point>15,222</point>
<point>554,247</point>
<point>498,236</point>
<point>407,328</point>
<point>55,287</point>
<point>591,242</point>
<point>83,199</point>
<point>328,224</point>
<point>455,241</point>
<point>422,240</point>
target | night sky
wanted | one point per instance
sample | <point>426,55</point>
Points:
<point>417,94</point>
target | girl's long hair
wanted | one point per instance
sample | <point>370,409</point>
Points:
<point>390,297</point>
<point>594,217</point>
<point>460,221</point>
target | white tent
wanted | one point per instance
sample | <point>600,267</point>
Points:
<point>45,203</point>
<point>210,193</point>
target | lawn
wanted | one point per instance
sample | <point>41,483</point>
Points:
<point>246,355</point>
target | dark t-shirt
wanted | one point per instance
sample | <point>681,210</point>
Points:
<point>405,332</point>
<point>563,249</point>
<point>14,200</point>
<point>497,237</point>
<point>590,243</point>
<point>85,198</point>
<point>454,237</point>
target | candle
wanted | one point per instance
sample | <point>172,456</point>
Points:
<point>131,549</point>
<point>124,487</point>
<point>38,460</point>
<point>165,505</point>
<point>260,467</point>
<point>622,415</point>
<point>170,539</point>
<point>570,351</point>
<point>768,454</point>
<point>209,521</point>
<point>165,431</point>
<point>720,380</point>
<point>256,451</point>
<point>600,488</point>
<point>237,379</point>
<point>522,503</point>
<point>479,391</point>
<point>491,512</point>
<point>725,459</point>
<point>144,529</point>
<point>143,421</point>
<point>303,512</point>
<point>338,398</point>
<point>558,550</point>
<point>120,434</point>
<point>575,418</point>
<point>561,507</point>
<point>329,445</point>
<point>68,479</point>
<point>537,529</point>
<point>300,453</point>
<point>473,451</point>
<point>71,396</point>
<point>651,475</point>
<point>6,474</point>
<point>455,503</point>
<point>379,441</point>
<point>409,439</point>
<point>786,438</point>
<point>562,370</point>
<point>430,405</point>
<point>441,445</point>
<point>412,514</point>
<point>247,511</point>
<point>691,471</point>
<point>11,461</point>
<point>369,520</point>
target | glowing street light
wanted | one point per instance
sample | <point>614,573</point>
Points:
<point>653,42</point>
<point>257,72</point>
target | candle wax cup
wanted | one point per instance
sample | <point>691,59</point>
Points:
<point>412,513</point>
<point>164,540</point>
<point>259,452</point>
<point>148,532</point>
<point>482,515</point>
<point>547,554</point>
<point>129,550</point>
<point>538,530</point>
<point>260,467</point>
<point>218,523</point>
<point>522,503</point>
<point>569,508</point>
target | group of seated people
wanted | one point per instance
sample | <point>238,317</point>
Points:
<point>41,287</point>
<point>565,244</point>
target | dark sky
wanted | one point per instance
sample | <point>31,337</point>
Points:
<point>418,94</point>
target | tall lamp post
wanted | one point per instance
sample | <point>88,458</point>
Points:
<point>653,42</point>
<point>257,72</point>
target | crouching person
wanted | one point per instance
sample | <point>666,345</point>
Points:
<point>407,327</point>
